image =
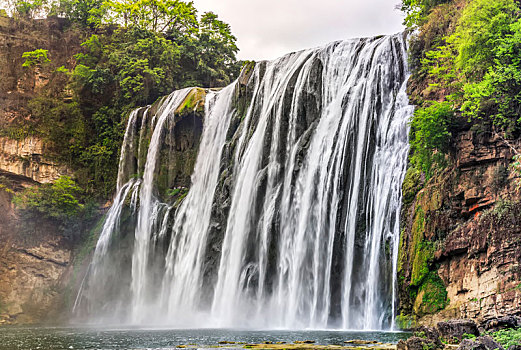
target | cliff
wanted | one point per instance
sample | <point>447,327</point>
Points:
<point>461,238</point>
<point>460,248</point>
<point>33,263</point>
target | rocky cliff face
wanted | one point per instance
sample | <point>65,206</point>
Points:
<point>461,238</point>
<point>28,158</point>
<point>21,152</point>
<point>32,264</point>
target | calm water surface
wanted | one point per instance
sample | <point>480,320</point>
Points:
<point>15,338</point>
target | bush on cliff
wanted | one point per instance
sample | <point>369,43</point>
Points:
<point>61,202</point>
<point>473,63</point>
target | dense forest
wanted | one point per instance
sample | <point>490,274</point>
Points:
<point>466,71</point>
<point>133,53</point>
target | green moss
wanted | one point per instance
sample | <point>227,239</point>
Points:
<point>434,294</point>
<point>405,322</point>
<point>248,67</point>
<point>193,102</point>
<point>422,251</point>
<point>411,185</point>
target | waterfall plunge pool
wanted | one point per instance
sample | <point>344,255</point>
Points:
<point>105,338</point>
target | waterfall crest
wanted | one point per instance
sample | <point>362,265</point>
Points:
<point>292,216</point>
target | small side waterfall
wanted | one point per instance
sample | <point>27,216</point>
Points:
<point>292,216</point>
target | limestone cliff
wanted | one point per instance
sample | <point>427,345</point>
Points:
<point>28,157</point>
<point>32,265</point>
<point>461,238</point>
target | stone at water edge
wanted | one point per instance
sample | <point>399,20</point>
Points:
<point>416,343</point>
<point>455,329</point>
<point>429,333</point>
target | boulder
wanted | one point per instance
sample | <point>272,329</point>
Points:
<point>489,342</point>
<point>428,333</point>
<point>469,344</point>
<point>496,324</point>
<point>416,343</point>
<point>453,330</point>
<point>480,343</point>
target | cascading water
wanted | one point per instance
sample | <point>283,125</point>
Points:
<point>292,217</point>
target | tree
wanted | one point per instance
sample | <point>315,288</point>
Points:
<point>155,15</point>
<point>83,12</point>
<point>29,8</point>
<point>217,49</point>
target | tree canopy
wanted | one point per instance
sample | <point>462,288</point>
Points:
<point>134,52</point>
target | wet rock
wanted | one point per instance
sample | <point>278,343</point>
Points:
<point>480,343</point>
<point>428,333</point>
<point>455,329</point>
<point>416,343</point>
<point>497,324</point>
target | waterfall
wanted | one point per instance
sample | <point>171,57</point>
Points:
<point>292,216</point>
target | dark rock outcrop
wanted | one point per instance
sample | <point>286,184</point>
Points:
<point>416,343</point>
<point>456,329</point>
<point>480,343</point>
<point>496,324</point>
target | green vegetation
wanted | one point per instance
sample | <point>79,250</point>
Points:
<point>417,10</point>
<point>470,58</point>
<point>434,294</point>
<point>508,337</point>
<point>59,202</point>
<point>134,52</point>
<point>431,137</point>
<point>37,57</point>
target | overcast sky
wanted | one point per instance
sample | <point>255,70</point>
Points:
<point>267,29</point>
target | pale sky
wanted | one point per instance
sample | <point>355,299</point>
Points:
<point>267,29</point>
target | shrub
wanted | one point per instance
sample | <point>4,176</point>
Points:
<point>430,134</point>
<point>59,202</point>
<point>508,337</point>
<point>37,57</point>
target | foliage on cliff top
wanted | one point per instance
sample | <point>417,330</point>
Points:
<point>470,61</point>
<point>134,52</point>
<point>36,57</point>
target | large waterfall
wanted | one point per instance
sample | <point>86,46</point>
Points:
<point>292,216</point>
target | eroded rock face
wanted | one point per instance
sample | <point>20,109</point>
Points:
<point>27,158</point>
<point>462,230</point>
<point>21,154</point>
<point>32,268</point>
